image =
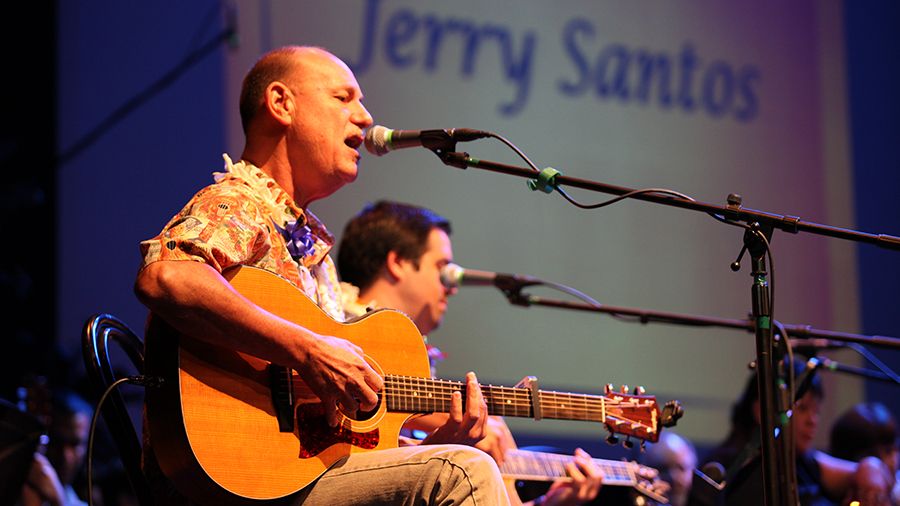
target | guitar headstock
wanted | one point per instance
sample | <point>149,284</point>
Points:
<point>637,415</point>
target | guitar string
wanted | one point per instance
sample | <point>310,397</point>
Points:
<point>504,392</point>
<point>562,401</point>
<point>525,462</point>
<point>400,385</point>
<point>406,390</point>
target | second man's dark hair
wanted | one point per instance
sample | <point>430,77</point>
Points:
<point>379,229</point>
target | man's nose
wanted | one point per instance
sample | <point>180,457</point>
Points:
<point>362,118</point>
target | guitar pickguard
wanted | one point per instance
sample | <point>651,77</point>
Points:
<point>315,435</point>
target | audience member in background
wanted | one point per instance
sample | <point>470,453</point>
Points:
<point>676,459</point>
<point>821,478</point>
<point>868,430</point>
<point>51,479</point>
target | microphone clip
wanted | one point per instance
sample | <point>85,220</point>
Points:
<point>512,286</point>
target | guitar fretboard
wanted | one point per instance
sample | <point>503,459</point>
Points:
<point>417,395</point>
<point>537,466</point>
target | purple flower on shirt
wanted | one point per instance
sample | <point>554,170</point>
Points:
<point>299,239</point>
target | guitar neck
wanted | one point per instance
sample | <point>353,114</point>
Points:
<point>425,395</point>
<point>538,466</point>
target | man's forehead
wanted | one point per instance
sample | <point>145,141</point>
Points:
<point>439,242</point>
<point>313,65</point>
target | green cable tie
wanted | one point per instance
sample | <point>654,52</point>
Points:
<point>546,180</point>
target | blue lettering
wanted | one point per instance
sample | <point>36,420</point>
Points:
<point>436,31</point>
<point>518,71</point>
<point>617,57</point>
<point>401,28</point>
<point>370,21</point>
<point>474,42</point>
<point>650,65</point>
<point>718,88</point>
<point>688,62</point>
<point>572,29</point>
<point>747,79</point>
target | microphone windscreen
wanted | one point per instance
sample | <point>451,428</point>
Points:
<point>452,275</point>
<point>377,140</point>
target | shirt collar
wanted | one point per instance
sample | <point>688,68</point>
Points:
<point>283,207</point>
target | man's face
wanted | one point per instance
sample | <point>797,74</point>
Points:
<point>328,123</point>
<point>420,288</point>
<point>68,444</point>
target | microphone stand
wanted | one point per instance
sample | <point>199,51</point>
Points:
<point>647,316</point>
<point>776,483</point>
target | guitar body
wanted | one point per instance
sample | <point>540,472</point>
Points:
<point>213,424</point>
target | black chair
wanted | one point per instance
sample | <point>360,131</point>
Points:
<point>98,332</point>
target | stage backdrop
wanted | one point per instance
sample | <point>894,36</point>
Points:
<point>703,98</point>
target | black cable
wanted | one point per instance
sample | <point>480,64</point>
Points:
<point>135,380</point>
<point>571,200</point>
<point>874,361</point>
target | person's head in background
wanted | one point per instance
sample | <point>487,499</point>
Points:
<point>394,252</point>
<point>676,459</point>
<point>69,427</point>
<point>745,414</point>
<point>866,429</point>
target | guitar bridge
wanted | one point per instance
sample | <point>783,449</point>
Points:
<point>282,388</point>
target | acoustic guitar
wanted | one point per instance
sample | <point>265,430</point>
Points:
<point>226,426</point>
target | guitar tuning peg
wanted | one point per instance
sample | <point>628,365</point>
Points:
<point>628,444</point>
<point>639,390</point>
<point>624,389</point>
<point>612,439</point>
<point>609,388</point>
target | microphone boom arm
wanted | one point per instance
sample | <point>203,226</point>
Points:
<point>786,223</point>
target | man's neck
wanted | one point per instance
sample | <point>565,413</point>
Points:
<point>270,160</point>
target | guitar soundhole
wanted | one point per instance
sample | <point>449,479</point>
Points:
<point>360,415</point>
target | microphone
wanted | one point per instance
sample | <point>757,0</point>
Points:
<point>830,365</point>
<point>380,140</point>
<point>453,275</point>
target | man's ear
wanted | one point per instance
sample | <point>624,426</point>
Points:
<point>395,265</point>
<point>279,102</point>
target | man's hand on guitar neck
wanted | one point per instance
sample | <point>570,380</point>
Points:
<point>463,427</point>
<point>586,480</point>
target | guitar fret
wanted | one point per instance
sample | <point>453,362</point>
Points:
<point>624,414</point>
<point>410,394</point>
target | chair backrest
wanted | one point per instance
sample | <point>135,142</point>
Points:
<point>99,331</point>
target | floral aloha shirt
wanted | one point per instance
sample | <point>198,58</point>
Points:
<point>245,218</point>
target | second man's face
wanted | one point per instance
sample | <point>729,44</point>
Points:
<point>421,289</point>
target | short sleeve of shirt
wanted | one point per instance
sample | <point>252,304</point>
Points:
<point>221,226</point>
